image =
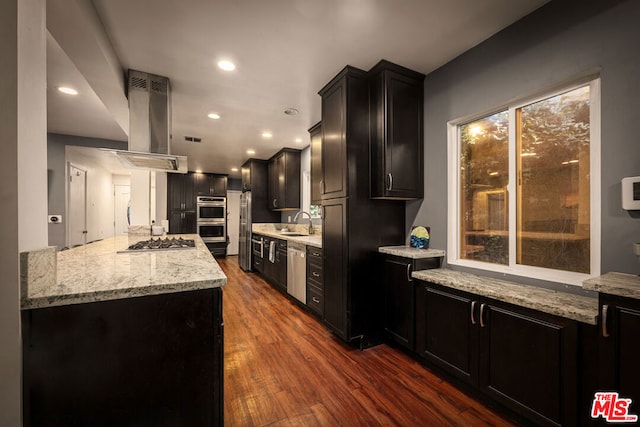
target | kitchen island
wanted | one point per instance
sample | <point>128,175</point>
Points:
<point>125,338</point>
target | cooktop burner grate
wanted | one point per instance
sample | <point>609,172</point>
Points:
<point>163,243</point>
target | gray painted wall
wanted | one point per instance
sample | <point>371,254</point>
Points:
<point>552,46</point>
<point>56,176</point>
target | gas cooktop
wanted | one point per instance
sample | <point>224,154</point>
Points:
<point>167,243</point>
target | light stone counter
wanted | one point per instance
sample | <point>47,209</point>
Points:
<point>97,272</point>
<point>621,284</point>
<point>576,307</point>
<point>409,252</point>
<point>273,230</point>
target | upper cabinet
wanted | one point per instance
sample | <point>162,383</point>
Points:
<point>345,117</point>
<point>284,180</point>
<point>181,203</point>
<point>396,144</point>
<point>315,134</point>
<point>208,184</point>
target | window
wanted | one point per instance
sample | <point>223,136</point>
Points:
<point>524,195</point>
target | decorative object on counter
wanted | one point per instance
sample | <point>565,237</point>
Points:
<point>420,237</point>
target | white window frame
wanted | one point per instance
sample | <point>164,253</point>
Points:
<point>453,182</point>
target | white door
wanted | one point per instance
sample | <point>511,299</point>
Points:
<point>77,206</point>
<point>233,221</point>
<point>122,195</point>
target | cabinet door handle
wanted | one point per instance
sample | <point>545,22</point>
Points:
<point>315,274</point>
<point>409,279</point>
<point>390,177</point>
<point>316,300</point>
<point>605,315</point>
<point>321,186</point>
<point>482,306</point>
<point>275,203</point>
<point>473,312</point>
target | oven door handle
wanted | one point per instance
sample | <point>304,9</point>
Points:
<point>261,243</point>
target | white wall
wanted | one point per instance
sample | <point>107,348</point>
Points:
<point>23,179</point>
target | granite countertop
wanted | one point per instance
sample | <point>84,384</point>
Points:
<point>576,307</point>
<point>409,252</point>
<point>270,230</point>
<point>98,272</point>
<point>621,284</point>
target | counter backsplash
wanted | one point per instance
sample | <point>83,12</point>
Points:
<point>277,227</point>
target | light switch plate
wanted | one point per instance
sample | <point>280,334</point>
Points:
<point>55,219</point>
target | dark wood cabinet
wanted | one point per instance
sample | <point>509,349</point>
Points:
<point>529,362</point>
<point>181,203</point>
<point>273,264</point>
<point>151,360</point>
<point>354,225</point>
<point>255,178</point>
<point>446,333</point>
<point>336,282</point>
<point>315,134</point>
<point>284,180</point>
<point>399,297</point>
<point>315,280</point>
<point>524,359</point>
<point>208,184</point>
<point>396,96</point>
<point>344,122</point>
<point>619,348</point>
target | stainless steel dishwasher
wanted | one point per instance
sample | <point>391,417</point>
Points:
<point>297,271</point>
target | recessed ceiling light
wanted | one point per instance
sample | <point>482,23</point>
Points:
<point>227,65</point>
<point>290,111</point>
<point>267,135</point>
<point>234,169</point>
<point>68,90</point>
<point>251,152</point>
<point>213,116</point>
<point>298,140</point>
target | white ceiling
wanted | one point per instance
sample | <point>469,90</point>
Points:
<point>285,52</point>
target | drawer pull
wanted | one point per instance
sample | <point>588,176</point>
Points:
<point>482,306</point>
<point>316,300</point>
<point>473,312</point>
<point>605,315</point>
<point>409,279</point>
<point>315,274</point>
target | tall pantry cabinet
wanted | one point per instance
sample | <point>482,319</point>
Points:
<point>354,226</point>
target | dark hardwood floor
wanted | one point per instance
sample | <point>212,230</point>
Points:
<point>283,368</point>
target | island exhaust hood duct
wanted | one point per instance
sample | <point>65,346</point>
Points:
<point>150,125</point>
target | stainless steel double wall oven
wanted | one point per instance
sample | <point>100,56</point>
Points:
<point>212,218</point>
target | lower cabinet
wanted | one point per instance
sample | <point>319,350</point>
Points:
<point>619,348</point>
<point>399,297</point>
<point>524,359</point>
<point>315,281</point>
<point>273,264</point>
<point>153,360</point>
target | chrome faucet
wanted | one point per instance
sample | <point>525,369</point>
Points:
<point>295,219</point>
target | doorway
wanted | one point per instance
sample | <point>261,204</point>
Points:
<point>122,198</point>
<point>77,191</point>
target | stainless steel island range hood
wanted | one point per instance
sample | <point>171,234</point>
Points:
<point>150,125</point>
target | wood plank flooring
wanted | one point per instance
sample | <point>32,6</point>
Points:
<point>283,368</point>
